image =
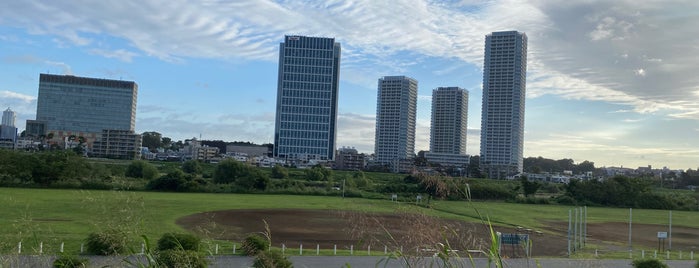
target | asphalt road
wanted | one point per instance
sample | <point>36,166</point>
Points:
<point>347,261</point>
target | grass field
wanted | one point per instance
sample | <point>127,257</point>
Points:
<point>54,216</point>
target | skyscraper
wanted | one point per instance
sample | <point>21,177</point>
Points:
<point>8,131</point>
<point>449,126</point>
<point>307,88</point>
<point>502,116</point>
<point>396,109</point>
<point>80,104</point>
<point>8,118</point>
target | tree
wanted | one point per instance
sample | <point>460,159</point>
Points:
<point>141,169</point>
<point>165,142</point>
<point>229,170</point>
<point>529,187</point>
<point>279,172</point>
<point>318,173</point>
<point>152,140</point>
<point>192,167</point>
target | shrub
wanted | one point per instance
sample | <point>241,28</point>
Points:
<point>181,258</point>
<point>175,241</point>
<point>254,244</point>
<point>648,263</point>
<point>192,167</point>
<point>269,259</point>
<point>70,261</point>
<point>141,169</point>
<point>106,243</point>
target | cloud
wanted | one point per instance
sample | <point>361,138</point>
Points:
<point>6,94</point>
<point>65,68</point>
<point>119,54</point>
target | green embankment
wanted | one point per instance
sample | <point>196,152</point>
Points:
<point>54,216</point>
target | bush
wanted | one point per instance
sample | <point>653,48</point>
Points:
<point>648,263</point>
<point>70,261</point>
<point>269,259</point>
<point>141,169</point>
<point>181,258</point>
<point>110,242</point>
<point>254,244</point>
<point>192,167</point>
<point>175,241</point>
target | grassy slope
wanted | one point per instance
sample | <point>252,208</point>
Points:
<point>54,216</point>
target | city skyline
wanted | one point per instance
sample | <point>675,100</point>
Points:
<point>607,81</point>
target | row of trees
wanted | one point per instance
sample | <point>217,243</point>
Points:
<point>67,169</point>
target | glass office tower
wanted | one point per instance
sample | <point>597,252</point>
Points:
<point>307,88</point>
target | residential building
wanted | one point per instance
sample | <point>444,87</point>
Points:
<point>449,126</point>
<point>250,150</point>
<point>8,118</point>
<point>502,116</point>
<point>8,131</point>
<point>8,137</point>
<point>120,144</point>
<point>396,110</point>
<point>307,90</point>
<point>205,153</point>
<point>349,159</point>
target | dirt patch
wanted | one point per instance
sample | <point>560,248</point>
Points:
<point>614,236</point>
<point>327,228</point>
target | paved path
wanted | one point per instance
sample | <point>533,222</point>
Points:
<point>343,261</point>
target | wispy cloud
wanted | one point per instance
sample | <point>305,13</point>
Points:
<point>119,54</point>
<point>6,94</point>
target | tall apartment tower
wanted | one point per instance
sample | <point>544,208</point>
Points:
<point>307,88</point>
<point>8,131</point>
<point>449,126</point>
<point>396,109</point>
<point>504,88</point>
<point>8,118</point>
<point>90,105</point>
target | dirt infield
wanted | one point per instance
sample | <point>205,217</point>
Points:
<point>326,228</point>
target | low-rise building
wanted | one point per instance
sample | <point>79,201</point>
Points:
<point>449,160</point>
<point>122,144</point>
<point>349,159</point>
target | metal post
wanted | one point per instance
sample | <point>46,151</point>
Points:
<point>317,249</point>
<point>62,247</point>
<point>575,230</point>
<point>385,250</point>
<point>19,248</point>
<point>216,249</point>
<point>630,222</point>
<point>234,249</point>
<point>669,238</point>
<point>351,249</point>
<point>569,227</point>
<point>41,247</point>
<point>585,229</point>
<point>368,250</point>
<point>580,229</point>
<point>334,249</point>
<point>300,249</point>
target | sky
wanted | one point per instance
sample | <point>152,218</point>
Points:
<point>612,82</point>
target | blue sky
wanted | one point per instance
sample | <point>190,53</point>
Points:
<point>613,82</point>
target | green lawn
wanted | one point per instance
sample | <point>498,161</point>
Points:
<point>54,216</point>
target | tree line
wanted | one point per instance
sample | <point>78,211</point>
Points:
<point>66,169</point>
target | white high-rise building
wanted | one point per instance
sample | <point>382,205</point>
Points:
<point>8,131</point>
<point>449,126</point>
<point>396,109</point>
<point>8,118</point>
<point>502,116</point>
